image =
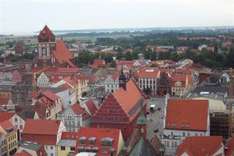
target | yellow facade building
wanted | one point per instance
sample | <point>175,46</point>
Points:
<point>8,138</point>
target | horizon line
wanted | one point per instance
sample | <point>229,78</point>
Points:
<point>115,29</point>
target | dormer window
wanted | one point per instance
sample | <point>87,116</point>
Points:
<point>107,141</point>
<point>82,140</point>
<point>92,140</point>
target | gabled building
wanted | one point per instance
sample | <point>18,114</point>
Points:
<point>67,144</point>
<point>98,63</point>
<point>201,146</point>
<point>147,80</point>
<point>125,65</point>
<point>74,117</point>
<point>112,82</point>
<point>51,51</point>
<point>121,109</point>
<point>23,153</point>
<point>184,118</point>
<point>180,84</point>
<point>90,106</point>
<point>6,102</point>
<point>143,148</point>
<point>61,55</point>
<point>43,80</point>
<point>101,141</point>
<point>14,119</point>
<point>164,84</point>
<point>48,105</point>
<point>46,45</point>
<point>57,76</point>
<point>45,132</point>
<point>65,89</point>
<point>8,138</point>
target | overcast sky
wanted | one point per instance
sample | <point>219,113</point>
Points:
<point>27,16</point>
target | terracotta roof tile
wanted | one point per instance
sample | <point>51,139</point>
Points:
<point>99,134</point>
<point>148,73</point>
<point>50,95</point>
<point>91,106</point>
<point>128,98</point>
<point>125,63</point>
<point>6,125</point>
<point>6,116</point>
<point>23,153</point>
<point>48,127</point>
<point>4,99</point>
<point>77,109</point>
<point>97,63</point>
<point>46,35</point>
<point>230,147</point>
<point>187,114</point>
<point>62,54</point>
<point>200,145</point>
<point>41,131</point>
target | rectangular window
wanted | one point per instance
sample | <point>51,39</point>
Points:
<point>62,148</point>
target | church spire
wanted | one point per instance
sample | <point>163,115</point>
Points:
<point>122,79</point>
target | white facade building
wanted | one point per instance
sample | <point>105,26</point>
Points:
<point>43,80</point>
<point>18,122</point>
<point>111,83</point>
<point>71,120</point>
<point>147,79</point>
<point>183,118</point>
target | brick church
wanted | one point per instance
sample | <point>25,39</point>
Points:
<point>52,52</point>
<point>122,109</point>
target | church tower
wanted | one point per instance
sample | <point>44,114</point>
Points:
<point>122,80</point>
<point>46,45</point>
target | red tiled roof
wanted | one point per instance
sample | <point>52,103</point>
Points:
<point>77,109</point>
<point>46,35</point>
<point>184,79</point>
<point>50,95</point>
<point>48,127</point>
<point>23,153</point>
<point>148,73</point>
<point>128,98</point>
<point>187,114</point>
<point>125,62</point>
<point>4,99</point>
<point>62,54</point>
<point>99,134</point>
<point>91,106</point>
<point>59,70</point>
<point>70,80</point>
<point>200,145</point>
<point>6,125</point>
<point>97,63</point>
<point>41,131</point>
<point>68,70</point>
<point>40,109</point>
<point>230,147</point>
<point>6,116</point>
<point>70,135</point>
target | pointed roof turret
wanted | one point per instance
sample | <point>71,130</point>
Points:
<point>122,80</point>
<point>46,35</point>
